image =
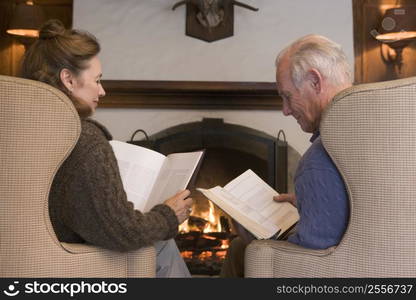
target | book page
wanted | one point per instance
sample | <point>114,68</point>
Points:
<point>250,201</point>
<point>139,168</point>
<point>229,204</point>
<point>174,176</point>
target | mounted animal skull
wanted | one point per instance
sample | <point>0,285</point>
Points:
<point>210,14</point>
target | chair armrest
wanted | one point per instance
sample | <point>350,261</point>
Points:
<point>137,263</point>
<point>288,247</point>
<point>142,262</point>
<point>267,258</point>
<point>75,248</point>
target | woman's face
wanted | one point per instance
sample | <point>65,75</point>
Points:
<point>87,86</point>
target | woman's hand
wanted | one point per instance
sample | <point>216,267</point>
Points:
<point>181,205</point>
<point>291,198</point>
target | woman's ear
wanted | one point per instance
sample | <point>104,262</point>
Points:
<point>67,79</point>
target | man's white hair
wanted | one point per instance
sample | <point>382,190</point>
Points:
<point>320,53</point>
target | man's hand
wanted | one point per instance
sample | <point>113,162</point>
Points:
<point>243,233</point>
<point>291,198</point>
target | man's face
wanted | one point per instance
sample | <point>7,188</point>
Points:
<point>301,103</point>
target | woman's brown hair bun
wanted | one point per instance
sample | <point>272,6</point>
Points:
<point>51,29</point>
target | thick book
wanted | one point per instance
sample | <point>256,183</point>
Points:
<point>249,200</point>
<point>149,177</point>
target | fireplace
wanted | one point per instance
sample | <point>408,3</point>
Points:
<point>229,151</point>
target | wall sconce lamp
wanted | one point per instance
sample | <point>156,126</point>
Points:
<point>397,30</point>
<point>26,20</point>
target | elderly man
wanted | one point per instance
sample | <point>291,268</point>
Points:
<point>309,73</point>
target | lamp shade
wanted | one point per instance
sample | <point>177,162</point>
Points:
<point>26,20</point>
<point>398,26</point>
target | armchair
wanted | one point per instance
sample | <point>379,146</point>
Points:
<point>38,129</point>
<point>370,133</point>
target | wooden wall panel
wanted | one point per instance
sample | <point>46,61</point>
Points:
<point>6,41</point>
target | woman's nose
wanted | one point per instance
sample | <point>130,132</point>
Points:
<point>101,92</point>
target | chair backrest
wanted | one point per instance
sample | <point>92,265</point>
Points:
<point>370,133</point>
<point>38,128</point>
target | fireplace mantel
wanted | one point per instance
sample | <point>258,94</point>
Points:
<point>190,95</point>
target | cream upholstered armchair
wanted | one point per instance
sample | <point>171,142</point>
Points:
<point>370,133</point>
<point>38,129</point>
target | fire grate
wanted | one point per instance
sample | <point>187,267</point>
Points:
<point>204,253</point>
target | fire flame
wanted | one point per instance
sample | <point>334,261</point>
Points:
<point>184,227</point>
<point>213,224</point>
<point>211,216</point>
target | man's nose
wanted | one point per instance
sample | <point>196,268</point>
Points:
<point>286,109</point>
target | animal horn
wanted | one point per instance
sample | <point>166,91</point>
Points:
<point>177,4</point>
<point>245,5</point>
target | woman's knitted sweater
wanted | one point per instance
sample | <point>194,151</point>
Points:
<point>88,204</point>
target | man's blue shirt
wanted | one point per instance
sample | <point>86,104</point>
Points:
<point>322,199</point>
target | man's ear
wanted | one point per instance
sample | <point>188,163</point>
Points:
<point>314,78</point>
<point>67,78</point>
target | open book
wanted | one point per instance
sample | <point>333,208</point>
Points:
<point>149,177</point>
<point>249,201</point>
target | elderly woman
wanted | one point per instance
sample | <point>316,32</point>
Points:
<point>87,202</point>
